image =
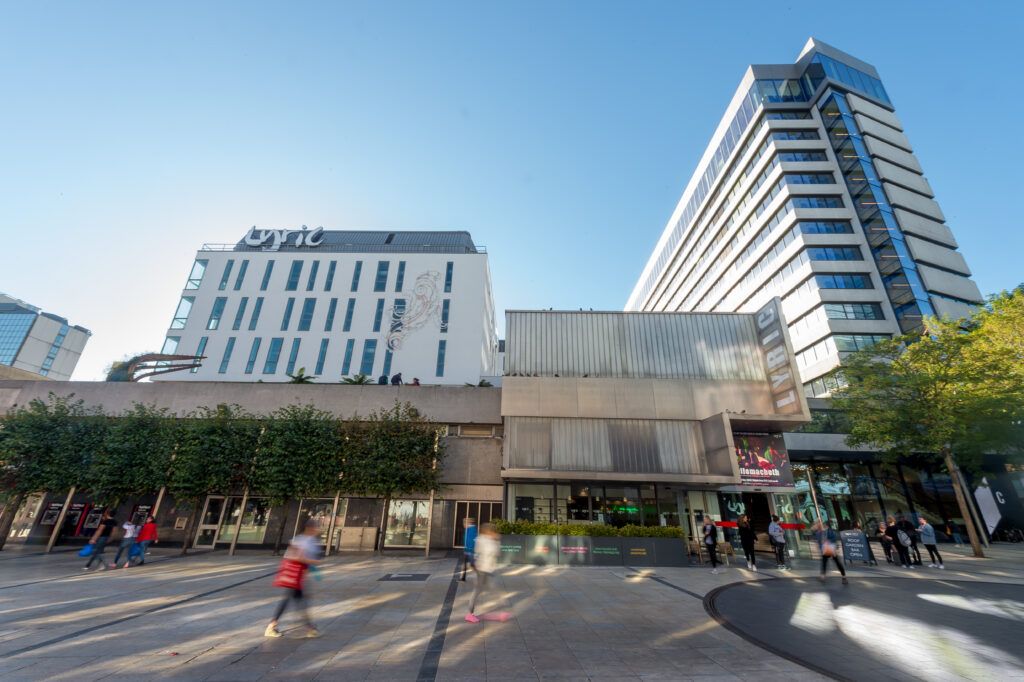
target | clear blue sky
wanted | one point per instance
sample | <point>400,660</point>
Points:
<point>560,134</point>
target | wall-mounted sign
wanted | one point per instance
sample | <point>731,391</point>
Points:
<point>778,357</point>
<point>272,240</point>
<point>763,459</point>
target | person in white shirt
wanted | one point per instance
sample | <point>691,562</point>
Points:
<point>127,540</point>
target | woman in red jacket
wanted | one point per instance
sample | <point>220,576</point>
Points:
<point>146,536</point>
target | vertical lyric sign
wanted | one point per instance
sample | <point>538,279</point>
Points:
<point>778,357</point>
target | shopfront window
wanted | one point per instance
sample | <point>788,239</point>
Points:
<point>621,506</point>
<point>866,502</point>
<point>407,523</point>
<point>922,492</point>
<point>532,501</point>
<point>254,521</point>
<point>321,509</point>
<point>891,489</point>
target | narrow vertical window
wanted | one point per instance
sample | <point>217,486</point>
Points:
<point>200,349</point>
<point>253,352</point>
<point>448,277</point>
<point>241,274</point>
<point>181,314</point>
<point>195,278</point>
<point>170,346</point>
<point>400,276</point>
<point>293,356</point>
<point>266,275</point>
<point>306,318</point>
<point>256,313</point>
<point>387,362</point>
<point>237,324</point>
<point>397,313</point>
<point>355,275</point>
<point>445,310</point>
<point>442,347</point>
<point>293,276</point>
<point>286,320</point>
<point>346,363</point>
<point>312,275</point>
<point>369,355</point>
<point>321,357</point>
<point>349,310</point>
<point>329,324</point>
<point>216,312</point>
<point>273,355</point>
<point>227,275</point>
<point>378,315</point>
<point>381,281</point>
<point>329,282</point>
<point>226,358</point>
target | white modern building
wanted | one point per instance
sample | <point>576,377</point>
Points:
<point>810,190</point>
<point>338,304</point>
<point>39,342</point>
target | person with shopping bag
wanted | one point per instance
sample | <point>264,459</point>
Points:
<point>303,553</point>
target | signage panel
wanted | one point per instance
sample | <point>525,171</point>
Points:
<point>787,395</point>
<point>763,459</point>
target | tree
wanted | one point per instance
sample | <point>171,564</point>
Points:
<point>300,377</point>
<point>215,454</point>
<point>135,457</point>
<point>301,452</point>
<point>934,396</point>
<point>393,452</point>
<point>358,380</point>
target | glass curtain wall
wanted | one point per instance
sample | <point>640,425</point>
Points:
<point>593,502</point>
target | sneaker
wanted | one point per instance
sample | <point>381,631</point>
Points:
<point>272,631</point>
<point>714,571</point>
<point>942,567</point>
<point>85,568</point>
<point>932,566</point>
<point>753,568</point>
<point>103,567</point>
<point>312,632</point>
<point>749,566</point>
<point>471,618</point>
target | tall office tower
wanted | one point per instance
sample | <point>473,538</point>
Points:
<point>38,342</point>
<point>338,304</point>
<point>809,190</point>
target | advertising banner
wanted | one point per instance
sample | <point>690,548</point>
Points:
<point>763,459</point>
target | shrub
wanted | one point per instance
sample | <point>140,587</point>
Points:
<point>587,530</point>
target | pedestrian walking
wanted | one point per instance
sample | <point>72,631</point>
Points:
<point>953,531</point>
<point>885,541</point>
<point>900,542</point>
<point>747,540</point>
<point>145,537</point>
<point>468,546</point>
<point>100,539</point>
<point>907,527</point>
<point>826,537</point>
<point>485,556</point>
<point>928,539</point>
<point>127,540</point>
<point>777,536</point>
<point>711,542</point>
<point>303,552</point>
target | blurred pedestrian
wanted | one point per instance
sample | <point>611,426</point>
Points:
<point>953,531</point>
<point>468,545</point>
<point>886,541</point>
<point>415,381</point>
<point>146,537</point>
<point>127,540</point>
<point>928,539</point>
<point>777,536</point>
<point>100,539</point>
<point>907,527</point>
<point>485,554</point>
<point>711,542</point>
<point>900,542</point>
<point>826,537</point>
<point>303,552</point>
<point>747,540</point>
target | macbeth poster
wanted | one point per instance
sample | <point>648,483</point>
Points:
<point>763,459</point>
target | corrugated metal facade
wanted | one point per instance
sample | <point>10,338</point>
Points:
<point>647,345</point>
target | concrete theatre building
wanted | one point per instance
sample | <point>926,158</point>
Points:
<point>338,304</point>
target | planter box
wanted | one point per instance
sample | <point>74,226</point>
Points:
<point>574,550</point>
<point>539,550</point>
<point>581,550</point>
<point>606,551</point>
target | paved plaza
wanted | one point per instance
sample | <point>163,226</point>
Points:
<point>202,618</point>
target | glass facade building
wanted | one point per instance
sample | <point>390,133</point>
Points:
<point>39,342</point>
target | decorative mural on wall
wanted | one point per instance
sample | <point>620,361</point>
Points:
<point>423,309</point>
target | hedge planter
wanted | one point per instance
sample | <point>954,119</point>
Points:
<point>582,550</point>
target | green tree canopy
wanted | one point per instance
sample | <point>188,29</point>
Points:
<point>136,454</point>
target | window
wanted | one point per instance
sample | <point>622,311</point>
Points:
<point>821,387</point>
<point>381,282</point>
<point>329,282</point>
<point>293,276</point>
<point>349,310</point>
<point>844,281</point>
<point>369,354</point>
<point>311,282</point>
<point>237,324</point>
<point>241,274</point>
<point>397,313</point>
<point>286,320</point>
<point>306,318</point>
<point>355,275</point>
<point>256,313</point>
<point>273,355</point>
<point>810,179</point>
<point>854,311</point>
<point>253,352</point>
<point>834,253</point>
<point>329,324</point>
<point>217,312</point>
<point>171,345</point>
<point>445,309</point>
<point>826,227</point>
<point>181,314</point>
<point>795,135</point>
<point>448,277</point>
<point>817,202</point>
<point>266,275</point>
<point>293,356</point>
<point>442,347</point>
<point>846,343</point>
<point>226,276</point>
<point>802,156</point>
<point>226,358</point>
<point>787,115</point>
<point>378,315</point>
<point>346,363</point>
<point>195,278</point>
<point>387,362</point>
<point>321,357</point>
<point>200,349</point>
<point>400,276</point>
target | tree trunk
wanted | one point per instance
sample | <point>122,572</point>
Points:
<point>60,521</point>
<point>193,520</point>
<point>280,529</point>
<point>962,502</point>
<point>383,524</point>
<point>7,520</point>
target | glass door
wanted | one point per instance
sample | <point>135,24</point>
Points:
<point>209,522</point>
<point>481,512</point>
<point>320,509</point>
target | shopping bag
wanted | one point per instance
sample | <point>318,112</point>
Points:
<point>87,550</point>
<point>290,574</point>
<point>135,551</point>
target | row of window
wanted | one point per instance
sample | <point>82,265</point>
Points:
<point>835,311</point>
<point>837,343</point>
<point>58,341</point>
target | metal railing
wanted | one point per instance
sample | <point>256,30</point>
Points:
<point>351,248</point>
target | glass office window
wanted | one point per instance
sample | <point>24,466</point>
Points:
<point>266,275</point>
<point>170,346</point>
<point>844,281</point>
<point>397,314</point>
<point>195,278</point>
<point>400,276</point>
<point>311,282</point>
<point>286,320</point>
<point>847,343</point>
<point>181,314</point>
<point>854,311</point>
<point>226,357</point>
<point>349,310</point>
<point>253,352</point>
<point>241,274</point>
<point>834,253</point>
<point>256,313</point>
<point>306,318</point>
<point>331,309</point>
<point>321,357</point>
<point>816,202</point>
<point>293,356</point>
<point>802,156</point>
<point>273,355</point>
<point>329,282</point>
<point>387,362</point>
<point>216,312</point>
<point>355,275</point>
<point>227,275</point>
<point>449,269</point>
<point>826,227</point>
<point>445,310</point>
<point>369,354</point>
<point>293,276</point>
<point>380,283</point>
<point>346,363</point>
<point>240,313</point>
<point>787,115</point>
<point>378,315</point>
<point>533,502</point>
<point>200,349</point>
<point>810,179</point>
<point>795,135</point>
<point>442,347</point>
